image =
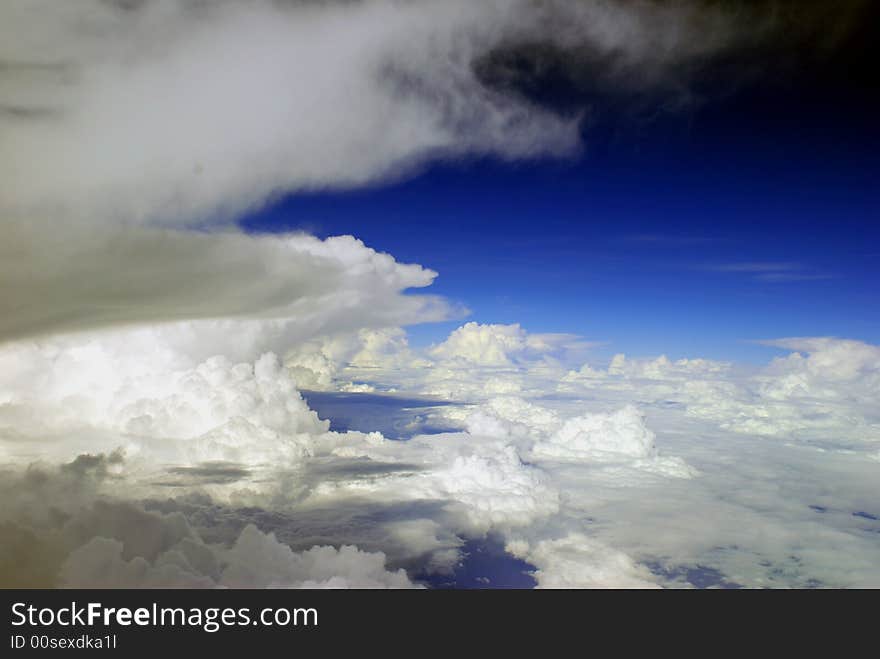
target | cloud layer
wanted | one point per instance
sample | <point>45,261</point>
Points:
<point>152,356</point>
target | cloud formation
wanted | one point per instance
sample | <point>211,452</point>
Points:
<point>176,111</point>
<point>61,280</point>
<point>164,441</point>
<point>559,479</point>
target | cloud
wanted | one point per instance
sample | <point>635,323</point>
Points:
<point>476,360</point>
<point>178,111</point>
<point>258,560</point>
<point>622,433</point>
<point>65,529</point>
<point>483,345</point>
<point>577,561</point>
<point>559,479</point>
<point>483,479</point>
<point>501,345</point>
<point>325,362</point>
<point>163,440</point>
<point>757,266</point>
<point>823,395</point>
<point>771,271</point>
<point>174,111</point>
<point>99,564</point>
<point>62,281</point>
<point>255,560</point>
<point>130,122</point>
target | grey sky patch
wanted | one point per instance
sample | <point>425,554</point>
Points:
<point>28,113</point>
<point>206,473</point>
<point>357,469</point>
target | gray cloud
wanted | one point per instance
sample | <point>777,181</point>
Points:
<point>61,278</point>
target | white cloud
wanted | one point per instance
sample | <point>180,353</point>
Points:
<point>330,362</point>
<point>483,345</point>
<point>499,345</point>
<point>561,480</point>
<point>178,110</point>
<point>825,364</point>
<point>622,433</point>
<point>484,480</point>
<point>149,398</point>
<point>827,393</point>
<point>258,560</point>
<point>577,561</point>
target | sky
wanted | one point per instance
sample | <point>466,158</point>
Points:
<point>751,215</point>
<point>417,294</point>
<point>646,255</point>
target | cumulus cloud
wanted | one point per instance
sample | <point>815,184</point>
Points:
<point>577,561</point>
<point>484,481</point>
<point>65,528</point>
<point>58,280</point>
<point>496,345</point>
<point>484,345</point>
<point>622,433</point>
<point>258,560</point>
<point>828,358</point>
<point>255,560</point>
<point>825,390</point>
<point>559,479</point>
<point>331,362</point>
<point>481,361</point>
<point>476,361</point>
<point>140,393</point>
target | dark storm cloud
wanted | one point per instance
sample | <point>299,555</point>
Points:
<point>673,56</point>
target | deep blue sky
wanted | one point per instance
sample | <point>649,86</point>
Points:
<point>755,216</point>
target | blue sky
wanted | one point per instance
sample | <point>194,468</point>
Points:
<point>689,245</point>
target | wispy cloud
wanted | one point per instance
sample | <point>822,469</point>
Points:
<point>666,240</point>
<point>792,276</point>
<point>761,267</point>
<point>770,271</point>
